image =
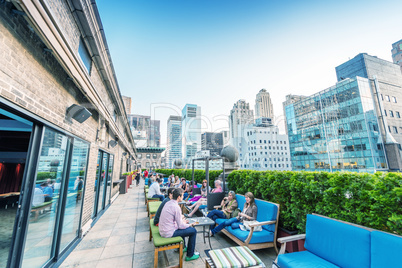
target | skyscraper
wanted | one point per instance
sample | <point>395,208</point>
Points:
<point>174,143</point>
<point>386,83</point>
<point>397,53</point>
<point>213,142</point>
<point>263,105</point>
<point>240,115</point>
<point>191,131</point>
<point>146,132</point>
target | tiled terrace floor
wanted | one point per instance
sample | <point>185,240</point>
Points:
<point>120,238</point>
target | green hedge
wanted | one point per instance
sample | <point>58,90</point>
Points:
<point>372,200</point>
<point>199,175</point>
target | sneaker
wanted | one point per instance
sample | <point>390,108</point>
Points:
<point>184,250</point>
<point>194,257</point>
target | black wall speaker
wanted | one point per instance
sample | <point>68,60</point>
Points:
<point>112,143</point>
<point>78,113</point>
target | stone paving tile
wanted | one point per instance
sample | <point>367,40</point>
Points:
<point>143,246</point>
<point>122,261</point>
<point>83,256</point>
<point>117,251</point>
<point>143,236</point>
<point>92,243</point>
<point>123,231</point>
<point>123,239</point>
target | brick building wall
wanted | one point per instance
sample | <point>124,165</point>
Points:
<point>33,79</point>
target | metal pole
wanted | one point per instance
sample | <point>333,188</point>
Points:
<point>192,175</point>
<point>224,178</point>
<point>207,177</point>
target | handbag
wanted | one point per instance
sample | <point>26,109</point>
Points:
<point>245,226</point>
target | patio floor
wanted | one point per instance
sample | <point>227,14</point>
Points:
<point>121,238</point>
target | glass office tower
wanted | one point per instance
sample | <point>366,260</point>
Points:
<point>336,129</point>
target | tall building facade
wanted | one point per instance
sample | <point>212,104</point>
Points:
<point>174,140</point>
<point>191,131</point>
<point>397,53</point>
<point>263,105</point>
<point>146,132</point>
<point>264,148</point>
<point>213,142</point>
<point>387,96</point>
<point>62,118</point>
<point>337,129</point>
<point>127,104</point>
<point>289,100</point>
<point>225,137</point>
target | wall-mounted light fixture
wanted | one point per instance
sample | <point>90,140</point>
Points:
<point>113,143</point>
<point>78,113</point>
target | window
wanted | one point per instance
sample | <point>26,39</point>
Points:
<point>385,112</point>
<point>393,99</point>
<point>395,129</point>
<point>398,115</point>
<point>389,129</point>
<point>382,97</point>
<point>148,156</point>
<point>84,55</point>
<point>147,164</point>
<point>139,156</point>
<point>391,113</point>
<point>154,156</point>
<point>387,98</point>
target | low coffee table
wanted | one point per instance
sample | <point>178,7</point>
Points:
<point>204,222</point>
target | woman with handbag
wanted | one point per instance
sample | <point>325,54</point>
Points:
<point>249,214</point>
<point>228,206</point>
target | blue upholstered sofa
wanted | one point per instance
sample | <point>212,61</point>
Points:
<point>267,216</point>
<point>333,243</point>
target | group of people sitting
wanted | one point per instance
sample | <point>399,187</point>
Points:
<point>173,223</point>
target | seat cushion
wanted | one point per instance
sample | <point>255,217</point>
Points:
<point>342,244</point>
<point>386,250</point>
<point>266,212</point>
<point>234,257</point>
<point>263,236</point>
<point>153,206</point>
<point>162,241</point>
<point>303,259</point>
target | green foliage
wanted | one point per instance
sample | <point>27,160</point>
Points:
<point>43,176</point>
<point>372,200</point>
<point>199,175</point>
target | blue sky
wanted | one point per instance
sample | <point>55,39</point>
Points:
<point>167,53</point>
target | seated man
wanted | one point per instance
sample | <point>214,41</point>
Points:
<point>203,201</point>
<point>155,190</point>
<point>47,191</point>
<point>159,211</point>
<point>171,224</point>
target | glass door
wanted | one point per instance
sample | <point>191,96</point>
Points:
<point>103,182</point>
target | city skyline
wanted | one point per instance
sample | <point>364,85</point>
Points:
<point>214,53</point>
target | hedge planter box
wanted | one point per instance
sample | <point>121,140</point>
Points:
<point>290,246</point>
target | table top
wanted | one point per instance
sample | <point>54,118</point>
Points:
<point>9,194</point>
<point>201,221</point>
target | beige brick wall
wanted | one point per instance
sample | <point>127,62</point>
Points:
<point>33,79</point>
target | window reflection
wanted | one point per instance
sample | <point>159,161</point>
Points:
<point>74,193</point>
<point>45,199</point>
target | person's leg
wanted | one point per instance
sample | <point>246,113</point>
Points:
<point>191,233</point>
<point>197,205</point>
<point>161,197</point>
<point>223,225</point>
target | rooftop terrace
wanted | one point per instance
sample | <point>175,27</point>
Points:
<point>121,237</point>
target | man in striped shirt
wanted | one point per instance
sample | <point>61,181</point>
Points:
<point>171,224</point>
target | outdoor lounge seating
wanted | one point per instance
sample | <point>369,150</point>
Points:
<point>40,208</point>
<point>163,244</point>
<point>153,208</point>
<point>334,243</point>
<point>267,217</point>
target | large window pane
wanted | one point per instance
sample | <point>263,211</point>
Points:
<point>109,180</point>
<point>102,182</point>
<point>74,194</point>
<point>97,183</point>
<point>38,245</point>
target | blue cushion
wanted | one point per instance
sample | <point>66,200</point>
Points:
<point>241,200</point>
<point>202,207</point>
<point>302,259</point>
<point>258,237</point>
<point>199,185</point>
<point>266,212</point>
<point>386,250</point>
<point>340,243</point>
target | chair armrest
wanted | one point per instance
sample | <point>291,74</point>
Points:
<point>216,207</point>
<point>262,223</point>
<point>291,238</point>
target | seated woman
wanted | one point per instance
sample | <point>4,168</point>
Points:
<point>203,192</point>
<point>249,214</point>
<point>184,186</point>
<point>203,200</point>
<point>176,182</point>
<point>228,205</point>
